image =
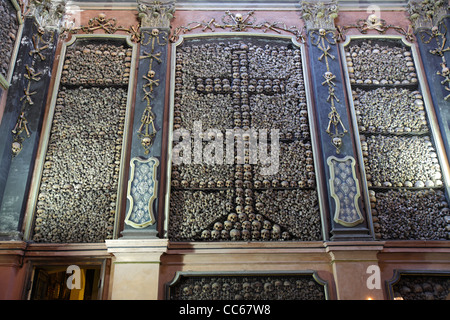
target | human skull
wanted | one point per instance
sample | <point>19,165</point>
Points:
<point>220,184</point>
<point>248,209</point>
<point>187,290</point>
<point>267,224</point>
<point>266,183</point>
<point>228,225</point>
<point>239,18</point>
<point>329,75</point>
<point>229,206</point>
<point>232,217</point>
<point>248,201</point>
<point>206,288</point>
<point>242,217</point>
<point>218,226</point>
<point>225,234</point>
<point>184,183</point>
<point>235,234</point>
<point>246,235</point>
<point>285,235</point>
<point>265,234</point>
<point>215,234</point>
<point>257,286</point>
<point>256,225</point>
<point>257,184</point>
<point>206,234</point>
<point>239,209</point>
<point>215,287</point>
<point>239,201</point>
<point>259,206</point>
<point>268,287</point>
<point>246,225</point>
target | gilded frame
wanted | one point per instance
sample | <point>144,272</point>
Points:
<point>152,220</point>
<point>335,196</point>
<point>47,124</point>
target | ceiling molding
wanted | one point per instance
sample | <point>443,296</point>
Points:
<point>202,5</point>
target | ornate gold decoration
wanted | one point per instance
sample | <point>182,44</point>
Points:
<point>319,15</point>
<point>47,13</point>
<point>142,191</point>
<point>237,22</point>
<point>322,39</point>
<point>108,25</point>
<point>426,13</point>
<point>147,130</point>
<point>156,14</point>
<point>344,189</point>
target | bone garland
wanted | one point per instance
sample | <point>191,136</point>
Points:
<point>238,22</point>
<point>108,25</point>
<point>147,130</point>
<point>41,42</point>
<point>373,22</point>
<point>322,43</point>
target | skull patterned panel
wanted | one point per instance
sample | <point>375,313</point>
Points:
<point>251,86</point>
<point>405,183</point>
<point>247,287</point>
<point>78,191</point>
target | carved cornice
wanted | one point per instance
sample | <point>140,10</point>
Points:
<point>319,15</point>
<point>156,14</point>
<point>427,13</point>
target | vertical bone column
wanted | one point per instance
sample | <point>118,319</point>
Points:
<point>147,127</point>
<point>335,144</point>
<point>21,124</point>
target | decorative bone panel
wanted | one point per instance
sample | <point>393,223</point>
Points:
<point>422,287</point>
<point>242,83</point>
<point>78,191</point>
<point>247,287</point>
<point>398,150</point>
